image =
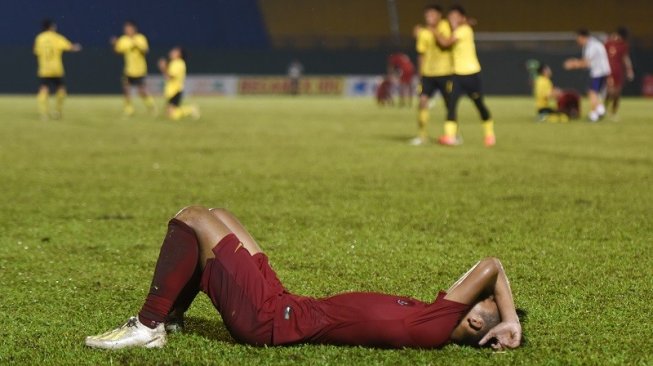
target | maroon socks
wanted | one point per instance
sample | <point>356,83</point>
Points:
<point>176,266</point>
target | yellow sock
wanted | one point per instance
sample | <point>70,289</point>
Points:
<point>42,99</point>
<point>488,128</point>
<point>61,97</point>
<point>422,122</point>
<point>176,113</point>
<point>149,102</point>
<point>128,109</point>
<point>450,129</point>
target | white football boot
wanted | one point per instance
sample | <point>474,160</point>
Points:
<point>131,334</point>
<point>417,141</point>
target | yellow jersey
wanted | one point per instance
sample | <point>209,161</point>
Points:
<point>436,61</point>
<point>542,89</point>
<point>176,76</point>
<point>465,61</point>
<point>48,48</point>
<point>133,49</point>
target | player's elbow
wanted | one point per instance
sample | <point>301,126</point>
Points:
<point>490,267</point>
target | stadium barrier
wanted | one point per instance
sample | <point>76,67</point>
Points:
<point>232,85</point>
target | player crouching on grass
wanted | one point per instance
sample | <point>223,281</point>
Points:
<point>209,250</point>
<point>544,93</point>
<point>174,71</point>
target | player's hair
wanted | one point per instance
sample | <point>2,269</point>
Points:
<point>459,8</point>
<point>622,32</point>
<point>583,32</point>
<point>47,24</point>
<point>434,7</point>
<point>131,22</point>
<point>182,52</point>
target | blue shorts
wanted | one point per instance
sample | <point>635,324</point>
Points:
<point>597,84</point>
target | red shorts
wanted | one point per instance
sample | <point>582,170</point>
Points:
<point>244,289</point>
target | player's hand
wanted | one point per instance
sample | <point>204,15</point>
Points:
<point>556,93</point>
<point>113,40</point>
<point>416,29</point>
<point>76,47</point>
<point>630,75</point>
<point>570,63</point>
<point>507,335</point>
<point>162,63</point>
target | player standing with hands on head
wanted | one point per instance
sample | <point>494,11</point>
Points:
<point>466,79</point>
<point>618,56</point>
<point>49,47</point>
<point>210,250</point>
<point>435,65</point>
<point>174,71</point>
<point>595,58</point>
<point>133,46</point>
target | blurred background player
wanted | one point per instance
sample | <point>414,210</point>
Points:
<point>595,58</point>
<point>618,56</point>
<point>49,47</point>
<point>545,93</point>
<point>384,92</point>
<point>400,65</point>
<point>295,72</point>
<point>174,71</point>
<point>466,79</point>
<point>133,46</point>
<point>435,66</point>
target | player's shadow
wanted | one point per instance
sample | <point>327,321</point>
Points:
<point>396,138</point>
<point>212,329</point>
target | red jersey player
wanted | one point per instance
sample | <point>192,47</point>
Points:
<point>618,56</point>
<point>401,65</point>
<point>384,92</point>
<point>210,250</point>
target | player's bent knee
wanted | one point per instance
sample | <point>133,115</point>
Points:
<point>219,212</point>
<point>191,214</point>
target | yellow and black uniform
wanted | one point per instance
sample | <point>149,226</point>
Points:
<point>466,80</point>
<point>542,90</point>
<point>174,90</point>
<point>174,86</point>
<point>436,65</point>
<point>436,68</point>
<point>49,47</point>
<point>133,49</point>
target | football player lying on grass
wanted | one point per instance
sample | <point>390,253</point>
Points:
<point>209,250</point>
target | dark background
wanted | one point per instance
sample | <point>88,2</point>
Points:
<point>336,37</point>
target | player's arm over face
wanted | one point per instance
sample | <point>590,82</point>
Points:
<point>487,278</point>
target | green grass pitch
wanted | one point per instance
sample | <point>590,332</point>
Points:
<point>340,202</point>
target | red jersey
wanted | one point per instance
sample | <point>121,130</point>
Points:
<point>367,319</point>
<point>258,310</point>
<point>617,50</point>
<point>402,62</point>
